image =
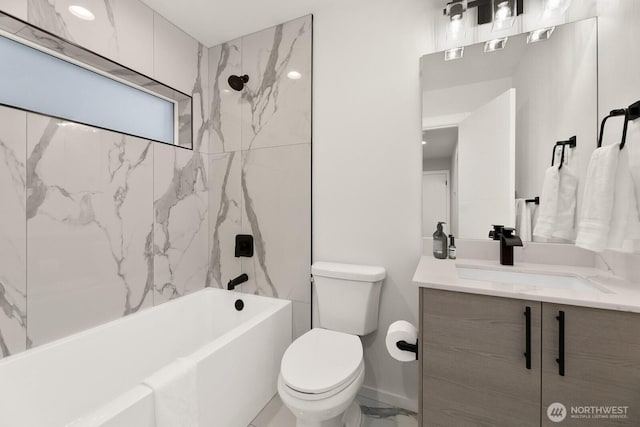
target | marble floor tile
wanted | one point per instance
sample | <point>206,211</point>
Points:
<point>376,414</point>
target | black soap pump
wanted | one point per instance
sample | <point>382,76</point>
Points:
<point>440,243</point>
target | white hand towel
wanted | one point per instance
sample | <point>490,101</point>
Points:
<point>625,226</point>
<point>548,205</point>
<point>175,394</point>
<point>523,220</point>
<point>597,205</point>
<point>564,227</point>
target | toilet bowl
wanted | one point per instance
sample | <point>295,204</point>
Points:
<point>321,373</point>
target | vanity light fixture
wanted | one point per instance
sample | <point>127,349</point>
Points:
<point>488,11</point>
<point>456,28</point>
<point>540,35</point>
<point>504,14</point>
<point>495,44</point>
<point>555,7</point>
<point>455,53</point>
<point>82,13</point>
<point>294,75</point>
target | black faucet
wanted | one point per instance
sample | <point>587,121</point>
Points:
<point>507,242</point>
<point>237,281</point>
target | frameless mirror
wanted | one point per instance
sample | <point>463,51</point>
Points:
<point>491,122</point>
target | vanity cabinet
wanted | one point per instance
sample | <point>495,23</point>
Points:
<point>601,363</point>
<point>474,368</point>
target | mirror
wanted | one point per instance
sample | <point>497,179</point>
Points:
<point>491,122</point>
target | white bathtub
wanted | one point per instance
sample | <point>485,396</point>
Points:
<point>94,377</point>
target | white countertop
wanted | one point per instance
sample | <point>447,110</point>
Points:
<point>441,274</point>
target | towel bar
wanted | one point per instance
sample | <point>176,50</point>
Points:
<point>571,142</point>
<point>630,113</point>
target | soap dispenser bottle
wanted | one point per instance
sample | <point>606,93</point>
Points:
<point>440,243</point>
<point>452,247</point>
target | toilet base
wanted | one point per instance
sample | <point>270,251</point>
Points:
<point>351,418</point>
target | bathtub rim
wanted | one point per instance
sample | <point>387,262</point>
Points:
<point>278,304</point>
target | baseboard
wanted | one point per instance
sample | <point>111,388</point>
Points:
<point>389,398</point>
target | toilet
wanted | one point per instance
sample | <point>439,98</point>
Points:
<point>322,371</point>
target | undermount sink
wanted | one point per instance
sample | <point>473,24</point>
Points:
<point>530,280</point>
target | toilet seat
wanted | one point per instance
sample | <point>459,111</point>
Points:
<point>321,363</point>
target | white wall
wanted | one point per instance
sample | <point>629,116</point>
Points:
<point>367,157</point>
<point>556,98</point>
<point>441,164</point>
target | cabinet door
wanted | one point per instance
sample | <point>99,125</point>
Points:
<point>473,361</point>
<point>601,366</point>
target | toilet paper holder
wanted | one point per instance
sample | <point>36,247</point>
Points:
<point>405,346</point>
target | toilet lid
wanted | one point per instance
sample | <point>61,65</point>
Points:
<point>321,360</point>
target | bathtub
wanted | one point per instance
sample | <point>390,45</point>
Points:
<point>93,378</point>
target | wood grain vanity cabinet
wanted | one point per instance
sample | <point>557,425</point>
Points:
<point>601,362</point>
<point>491,361</point>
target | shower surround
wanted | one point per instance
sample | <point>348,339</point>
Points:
<point>97,225</point>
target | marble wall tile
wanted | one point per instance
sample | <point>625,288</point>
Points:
<point>17,8</point>
<point>276,192</point>
<point>181,227</point>
<point>13,250</point>
<point>226,104</point>
<point>182,63</point>
<point>122,29</point>
<point>277,109</point>
<point>225,215</point>
<point>89,226</point>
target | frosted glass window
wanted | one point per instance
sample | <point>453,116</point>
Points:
<point>39,82</point>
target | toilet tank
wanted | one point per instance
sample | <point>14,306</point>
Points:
<point>348,296</point>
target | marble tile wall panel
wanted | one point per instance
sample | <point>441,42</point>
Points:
<point>225,214</point>
<point>276,194</point>
<point>181,234</point>
<point>182,63</point>
<point>226,103</point>
<point>13,286</point>
<point>89,226</point>
<point>17,8</point>
<point>262,184</point>
<point>122,29</point>
<point>277,109</point>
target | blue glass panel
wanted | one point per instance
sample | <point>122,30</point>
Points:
<point>35,81</point>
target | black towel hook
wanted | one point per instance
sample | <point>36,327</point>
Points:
<point>630,113</point>
<point>571,142</point>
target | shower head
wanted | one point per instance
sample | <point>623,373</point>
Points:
<point>237,82</point>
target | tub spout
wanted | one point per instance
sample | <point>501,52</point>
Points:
<point>237,281</point>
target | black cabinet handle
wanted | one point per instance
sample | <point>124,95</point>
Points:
<point>560,358</point>
<point>527,353</point>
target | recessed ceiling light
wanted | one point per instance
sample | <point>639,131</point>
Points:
<point>81,12</point>
<point>496,44</point>
<point>455,53</point>
<point>294,75</point>
<point>539,35</point>
<point>424,142</point>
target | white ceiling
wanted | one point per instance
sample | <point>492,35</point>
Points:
<point>216,21</point>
